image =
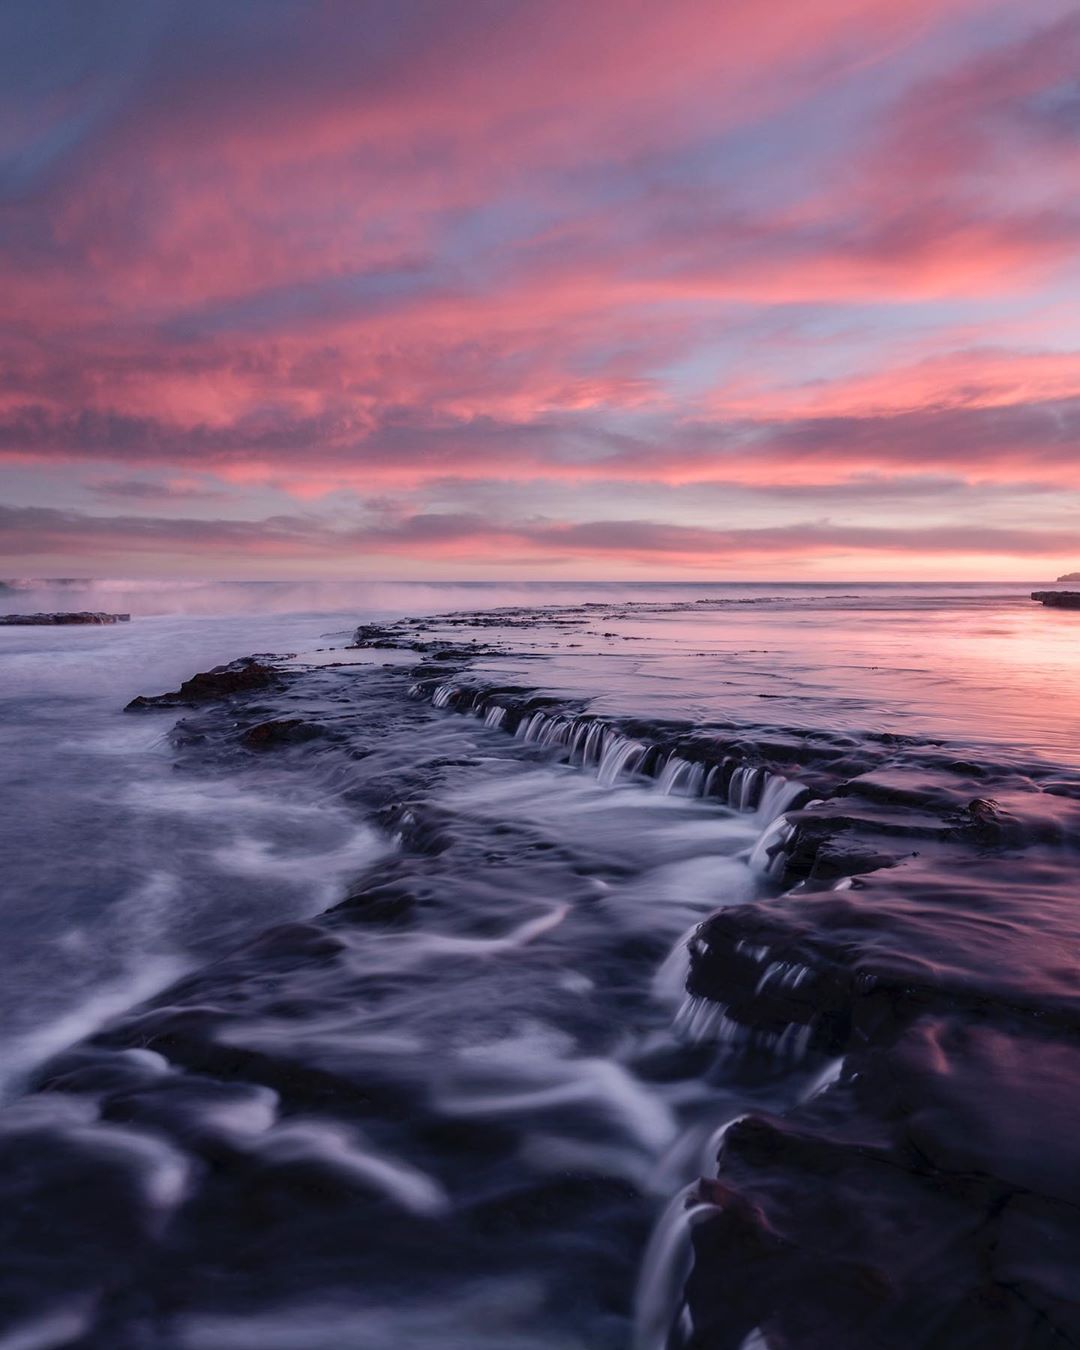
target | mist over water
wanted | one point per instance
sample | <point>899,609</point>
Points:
<point>409,1032</point>
<point>247,598</point>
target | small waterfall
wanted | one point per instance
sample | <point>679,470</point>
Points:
<point>742,789</point>
<point>768,856</point>
<point>710,1151</point>
<point>669,982</point>
<point>592,746</point>
<point>528,729</point>
<point>681,777</point>
<point>670,774</point>
<point>592,743</point>
<point>443,694</point>
<point>621,755</point>
<point>779,795</point>
<point>787,974</point>
<point>555,731</point>
<point>667,1263</point>
<point>578,739</point>
<point>701,1020</point>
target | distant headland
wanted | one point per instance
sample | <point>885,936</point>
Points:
<point>1070,576</point>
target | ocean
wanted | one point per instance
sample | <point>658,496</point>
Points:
<point>540,967</point>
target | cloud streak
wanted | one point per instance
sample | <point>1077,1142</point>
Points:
<point>466,539</point>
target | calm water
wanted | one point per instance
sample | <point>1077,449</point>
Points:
<point>461,1109</point>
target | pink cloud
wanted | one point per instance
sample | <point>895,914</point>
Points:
<point>549,244</point>
<point>474,539</point>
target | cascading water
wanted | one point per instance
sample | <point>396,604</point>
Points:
<point>435,1109</point>
<point>665,1268</point>
<point>768,855</point>
<point>592,743</point>
<point>621,756</point>
<point>750,790</point>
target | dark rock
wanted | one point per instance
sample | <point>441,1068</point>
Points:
<point>912,1207</point>
<point>244,676</point>
<point>856,967</point>
<point>391,904</point>
<point>375,635</point>
<point>1058,599</point>
<point>46,620</point>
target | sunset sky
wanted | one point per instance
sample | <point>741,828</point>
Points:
<point>560,288</point>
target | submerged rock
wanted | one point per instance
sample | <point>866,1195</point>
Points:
<point>48,620</point>
<point>281,731</point>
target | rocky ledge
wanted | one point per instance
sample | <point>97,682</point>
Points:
<point>1058,599</point>
<point>46,620</point>
<point>248,675</point>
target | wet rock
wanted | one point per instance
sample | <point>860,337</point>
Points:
<point>391,904</point>
<point>826,847</point>
<point>860,965</point>
<point>46,620</point>
<point>379,636</point>
<point>1058,599</point>
<point>247,675</point>
<point>912,1207</point>
<point>297,942</point>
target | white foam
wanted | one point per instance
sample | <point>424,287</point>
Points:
<point>25,1054</point>
<point>347,1152</point>
<point>516,1087</point>
<point>421,946</point>
<point>249,1112</point>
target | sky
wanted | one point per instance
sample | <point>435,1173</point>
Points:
<point>624,289</point>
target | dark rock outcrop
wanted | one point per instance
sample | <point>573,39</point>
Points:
<point>915,1206</point>
<point>54,620</point>
<point>248,675</point>
<point>1058,599</point>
